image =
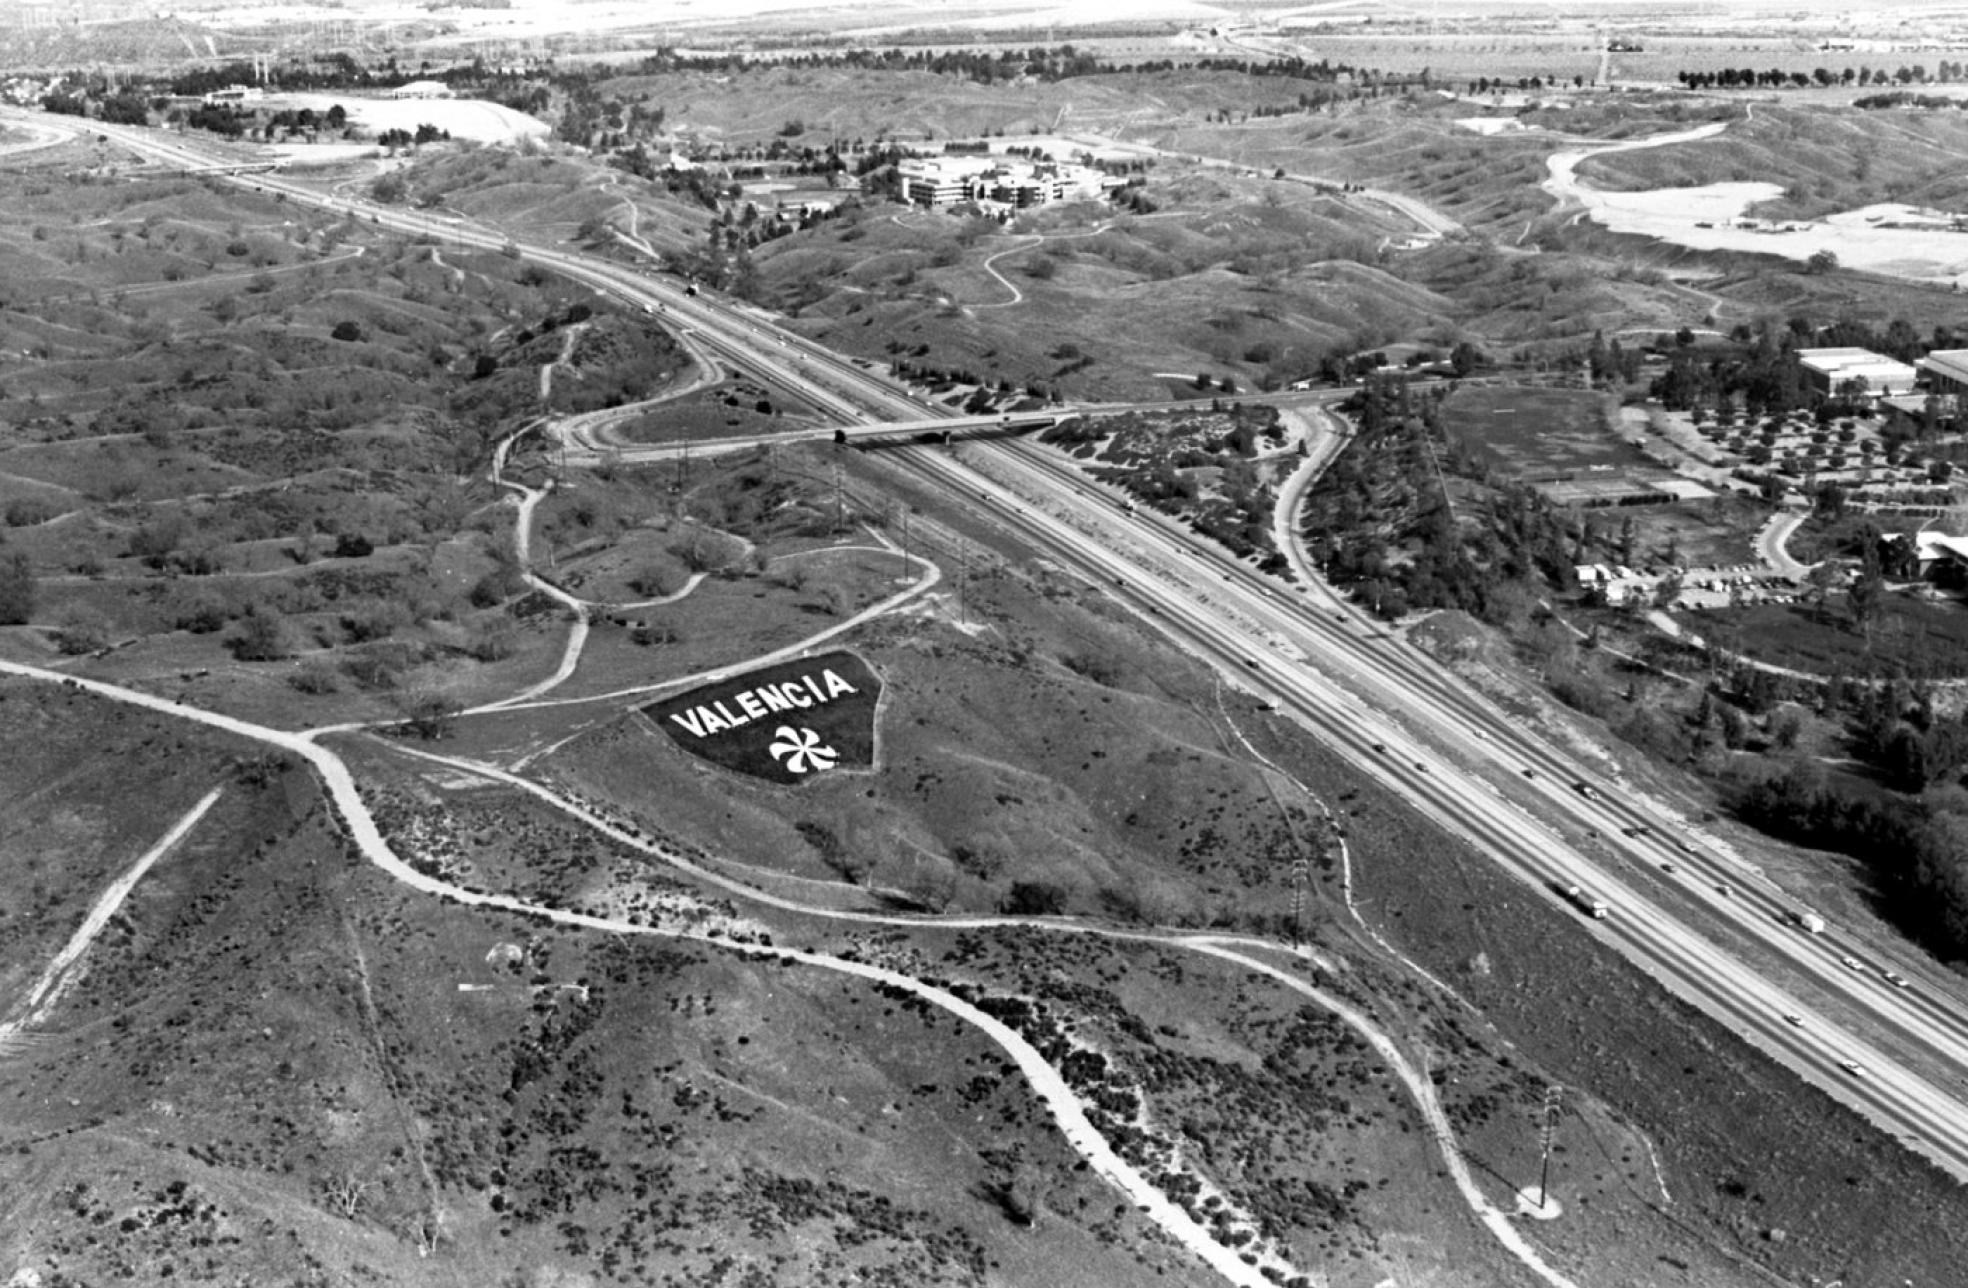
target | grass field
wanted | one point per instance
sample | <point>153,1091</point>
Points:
<point>1537,432</point>
<point>1911,637</point>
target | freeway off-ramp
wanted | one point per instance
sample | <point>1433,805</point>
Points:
<point>1911,1044</point>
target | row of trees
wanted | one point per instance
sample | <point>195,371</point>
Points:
<point>1820,77</point>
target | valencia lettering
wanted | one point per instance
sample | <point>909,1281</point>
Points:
<point>799,693</point>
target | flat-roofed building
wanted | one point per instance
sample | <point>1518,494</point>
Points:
<point>1831,370</point>
<point>1947,371</point>
<point>946,180</point>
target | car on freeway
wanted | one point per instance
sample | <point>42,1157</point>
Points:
<point>1529,772</point>
<point>1681,844</point>
<point>1592,832</point>
<point>1421,767</point>
<point>1852,1067</point>
<point>1667,867</point>
<point>1795,1021</point>
<point>1251,662</point>
<point>1851,963</point>
<point>1722,890</point>
<point>1586,790</point>
<point>1896,979</point>
<point>1340,616</point>
<point>1380,746</point>
<point>1634,831</point>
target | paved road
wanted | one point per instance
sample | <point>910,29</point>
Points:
<point>1772,543</point>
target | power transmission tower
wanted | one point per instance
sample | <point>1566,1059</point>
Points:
<point>1554,1095</point>
<point>840,513</point>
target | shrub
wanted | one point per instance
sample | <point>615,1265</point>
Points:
<point>346,330</point>
<point>81,630</point>
<point>315,678</point>
<point>497,586</point>
<point>495,642</point>
<point>262,636</point>
<point>16,590</point>
<point>203,615</point>
<point>26,511</point>
<point>1035,899</point>
<point>373,619</point>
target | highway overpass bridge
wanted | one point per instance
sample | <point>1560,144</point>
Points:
<point>893,433</point>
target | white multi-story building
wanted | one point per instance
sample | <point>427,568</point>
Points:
<point>946,180</point>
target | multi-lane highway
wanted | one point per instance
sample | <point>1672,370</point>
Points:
<point>1385,707</point>
<point>1897,1054</point>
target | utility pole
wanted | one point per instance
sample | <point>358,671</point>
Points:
<point>963,582</point>
<point>1301,873</point>
<point>1547,1132</point>
<point>840,516</point>
<point>905,541</point>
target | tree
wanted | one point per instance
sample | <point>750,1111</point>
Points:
<point>428,713</point>
<point>1820,579</point>
<point>346,331</point>
<point>261,637</point>
<point>1821,262</point>
<point>1867,593</point>
<point>16,590</point>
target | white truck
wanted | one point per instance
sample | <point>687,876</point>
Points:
<point>1585,903</point>
<point>1811,921</point>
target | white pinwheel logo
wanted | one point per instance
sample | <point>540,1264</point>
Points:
<point>801,750</point>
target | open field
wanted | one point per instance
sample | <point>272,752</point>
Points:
<point>1910,636</point>
<point>1535,432</point>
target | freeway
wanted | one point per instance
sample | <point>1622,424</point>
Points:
<point>1158,577</point>
<point>1454,746</point>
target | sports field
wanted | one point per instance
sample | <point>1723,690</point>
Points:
<point>1537,433</point>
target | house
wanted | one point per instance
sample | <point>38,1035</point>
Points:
<point>1935,553</point>
<point>1831,370</point>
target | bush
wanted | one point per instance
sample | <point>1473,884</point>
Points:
<point>26,511</point>
<point>1035,899</point>
<point>262,636</point>
<point>497,586</point>
<point>81,630</point>
<point>346,331</point>
<point>315,678</point>
<point>353,545</point>
<point>16,590</point>
<point>204,615</point>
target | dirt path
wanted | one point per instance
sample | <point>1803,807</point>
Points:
<point>1066,1108</point>
<point>55,979</point>
<point>1422,1092</point>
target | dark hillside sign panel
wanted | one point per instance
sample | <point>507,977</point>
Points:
<point>786,724</point>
